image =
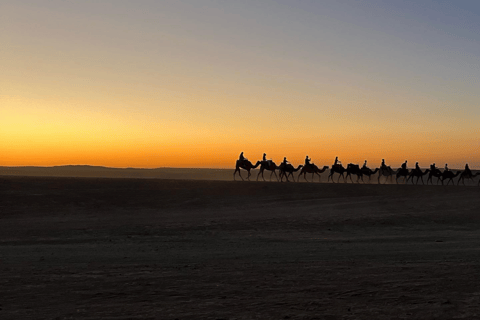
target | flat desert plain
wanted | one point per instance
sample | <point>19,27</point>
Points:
<point>101,248</point>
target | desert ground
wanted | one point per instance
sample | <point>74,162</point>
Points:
<point>103,248</point>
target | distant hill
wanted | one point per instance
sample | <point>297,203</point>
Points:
<point>157,173</point>
<point>105,172</point>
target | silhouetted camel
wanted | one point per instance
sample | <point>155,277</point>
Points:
<point>402,173</point>
<point>288,170</point>
<point>313,169</point>
<point>339,169</point>
<point>449,175</point>
<point>387,172</point>
<point>368,172</point>
<point>270,166</point>
<point>354,169</point>
<point>434,173</point>
<point>246,165</point>
<point>467,175</point>
<point>417,173</point>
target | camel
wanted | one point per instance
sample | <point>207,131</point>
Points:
<point>368,172</point>
<point>313,169</point>
<point>402,173</point>
<point>449,175</point>
<point>386,171</point>
<point>339,169</point>
<point>246,165</point>
<point>417,173</point>
<point>353,169</point>
<point>288,170</point>
<point>434,173</point>
<point>467,175</point>
<point>270,166</point>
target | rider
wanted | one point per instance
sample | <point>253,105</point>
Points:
<point>284,161</point>
<point>383,165</point>
<point>264,157</point>
<point>446,168</point>
<point>417,167</point>
<point>307,161</point>
<point>467,169</point>
<point>365,165</point>
<point>337,162</point>
<point>242,158</point>
<point>404,165</point>
<point>433,167</point>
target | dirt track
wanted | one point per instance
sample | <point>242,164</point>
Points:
<point>181,249</point>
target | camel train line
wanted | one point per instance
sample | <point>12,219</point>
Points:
<point>402,174</point>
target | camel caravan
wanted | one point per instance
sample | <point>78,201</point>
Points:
<point>385,173</point>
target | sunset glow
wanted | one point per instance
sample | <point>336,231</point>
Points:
<point>192,84</point>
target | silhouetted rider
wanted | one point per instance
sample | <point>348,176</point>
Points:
<point>337,162</point>
<point>264,157</point>
<point>446,167</point>
<point>365,165</point>
<point>417,167</point>
<point>404,165</point>
<point>242,158</point>
<point>307,161</point>
<point>383,165</point>
<point>467,169</point>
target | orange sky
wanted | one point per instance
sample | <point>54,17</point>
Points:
<point>125,86</point>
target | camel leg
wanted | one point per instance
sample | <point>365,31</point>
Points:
<point>298,180</point>
<point>330,176</point>
<point>273,172</point>
<point>238,174</point>
<point>304,176</point>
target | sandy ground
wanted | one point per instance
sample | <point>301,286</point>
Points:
<point>86,248</point>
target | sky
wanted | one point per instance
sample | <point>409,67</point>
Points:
<point>193,83</point>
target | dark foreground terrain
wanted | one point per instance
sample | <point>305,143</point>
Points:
<point>86,248</point>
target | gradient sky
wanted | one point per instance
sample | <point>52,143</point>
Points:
<point>194,83</point>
